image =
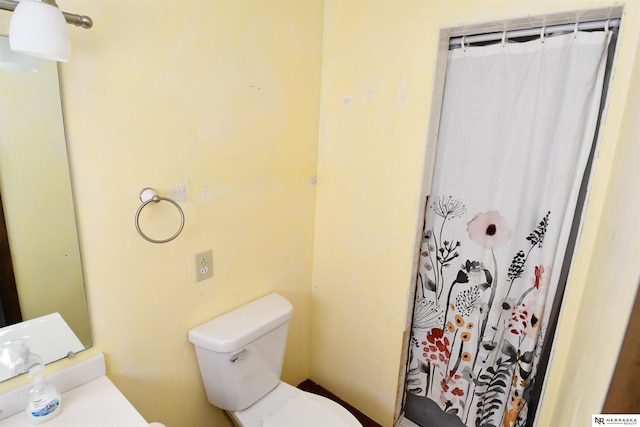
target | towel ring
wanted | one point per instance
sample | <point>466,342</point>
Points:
<point>149,195</point>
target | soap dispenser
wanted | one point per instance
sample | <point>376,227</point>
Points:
<point>44,401</point>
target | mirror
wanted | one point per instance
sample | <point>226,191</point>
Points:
<point>37,202</point>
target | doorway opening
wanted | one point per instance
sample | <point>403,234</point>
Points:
<point>503,211</point>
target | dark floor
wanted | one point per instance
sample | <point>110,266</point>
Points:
<point>310,386</point>
<point>624,394</point>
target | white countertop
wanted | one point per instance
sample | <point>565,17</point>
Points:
<point>97,403</point>
<point>89,399</point>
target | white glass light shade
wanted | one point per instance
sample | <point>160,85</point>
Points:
<point>39,29</point>
<point>11,60</point>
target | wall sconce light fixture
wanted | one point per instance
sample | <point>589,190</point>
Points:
<point>38,28</point>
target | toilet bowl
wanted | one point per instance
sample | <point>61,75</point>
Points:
<point>240,355</point>
<point>288,406</point>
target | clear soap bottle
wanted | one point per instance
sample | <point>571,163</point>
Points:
<point>44,402</point>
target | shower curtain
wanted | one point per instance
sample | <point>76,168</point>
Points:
<point>517,125</point>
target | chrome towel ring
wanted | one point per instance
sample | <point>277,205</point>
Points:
<point>149,195</point>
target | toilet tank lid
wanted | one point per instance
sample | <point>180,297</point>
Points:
<point>237,328</point>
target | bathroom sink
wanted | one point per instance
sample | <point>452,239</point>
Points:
<point>89,399</point>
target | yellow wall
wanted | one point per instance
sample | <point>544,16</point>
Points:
<point>220,96</point>
<point>225,97</point>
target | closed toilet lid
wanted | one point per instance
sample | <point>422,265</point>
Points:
<point>310,411</point>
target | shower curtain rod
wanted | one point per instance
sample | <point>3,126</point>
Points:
<point>71,18</point>
<point>497,36</point>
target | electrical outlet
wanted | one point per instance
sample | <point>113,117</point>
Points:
<point>204,265</point>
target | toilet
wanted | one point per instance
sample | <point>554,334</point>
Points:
<point>240,355</point>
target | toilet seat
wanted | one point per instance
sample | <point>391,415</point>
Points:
<point>287,406</point>
<point>305,410</point>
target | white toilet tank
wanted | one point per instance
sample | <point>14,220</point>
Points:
<point>241,352</point>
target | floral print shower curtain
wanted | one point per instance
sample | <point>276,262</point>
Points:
<point>517,124</point>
